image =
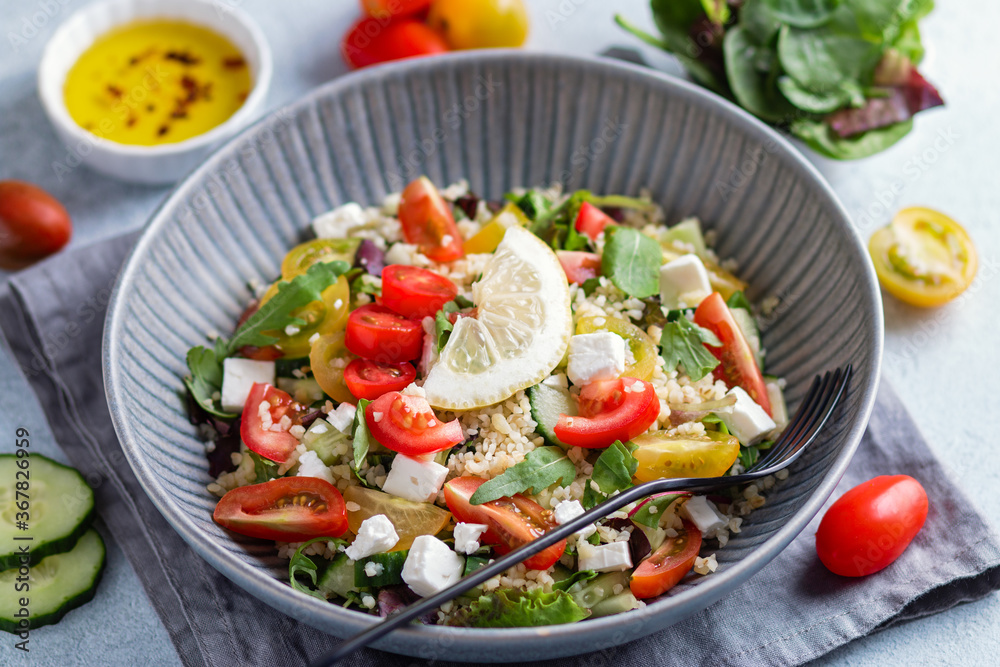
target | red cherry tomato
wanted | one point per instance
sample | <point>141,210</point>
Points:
<point>255,427</point>
<point>512,522</point>
<point>871,525</point>
<point>738,367</point>
<point>415,293</point>
<point>661,571</point>
<point>33,224</point>
<point>382,8</point>
<point>368,379</point>
<point>428,222</point>
<point>289,509</point>
<point>377,333</point>
<point>592,220</point>
<point>579,266</point>
<point>610,410</point>
<point>408,425</point>
<point>378,40</point>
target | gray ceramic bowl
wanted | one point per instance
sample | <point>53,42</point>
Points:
<point>501,120</point>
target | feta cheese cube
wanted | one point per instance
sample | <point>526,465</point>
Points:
<point>568,510</point>
<point>339,222</point>
<point>467,537</point>
<point>595,356</point>
<point>614,557</point>
<point>238,376</point>
<point>400,253</point>
<point>431,566</point>
<point>376,535</point>
<point>683,282</point>
<point>414,479</point>
<point>342,418</point>
<point>702,512</point>
<point>310,465</point>
<point>747,421</point>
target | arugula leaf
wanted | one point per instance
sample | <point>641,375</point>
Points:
<point>632,261</point>
<point>683,343</point>
<point>575,577</point>
<point>279,312</point>
<point>652,510</point>
<point>542,467</point>
<point>264,469</point>
<point>507,608</point>
<point>613,472</point>
<point>739,300</point>
<point>306,566</point>
<point>361,436</point>
<point>205,380</point>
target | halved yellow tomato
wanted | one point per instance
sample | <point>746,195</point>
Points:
<point>301,257</point>
<point>327,359</point>
<point>489,237</point>
<point>327,316</point>
<point>662,456</point>
<point>410,519</point>
<point>923,257</point>
<point>639,343</point>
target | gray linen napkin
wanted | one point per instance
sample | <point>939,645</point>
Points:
<point>52,317</point>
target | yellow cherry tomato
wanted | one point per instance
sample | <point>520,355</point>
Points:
<point>327,359</point>
<point>662,456</point>
<point>639,343</point>
<point>327,316</point>
<point>410,519</point>
<point>301,257</point>
<point>489,237</point>
<point>481,24</point>
<point>923,257</point>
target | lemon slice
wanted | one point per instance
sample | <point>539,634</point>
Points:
<point>520,332</point>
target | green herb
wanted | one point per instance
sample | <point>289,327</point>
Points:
<point>361,437</point>
<point>206,380</point>
<point>590,285</point>
<point>264,470</point>
<point>632,261</point>
<point>507,608</point>
<point>613,472</point>
<point>683,343</point>
<point>749,456</point>
<point>541,468</point>
<point>739,300</point>
<point>442,323</point>
<point>463,303</point>
<point>652,510</point>
<point>578,576</point>
<point>594,539</point>
<point>306,566</point>
<point>473,563</point>
<point>364,284</point>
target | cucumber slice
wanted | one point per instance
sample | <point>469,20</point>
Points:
<point>60,505</point>
<point>392,569</point>
<point>338,578</point>
<point>56,585</point>
<point>589,594</point>
<point>747,324</point>
<point>328,443</point>
<point>285,368</point>
<point>616,604</point>
<point>547,403</point>
<point>689,232</point>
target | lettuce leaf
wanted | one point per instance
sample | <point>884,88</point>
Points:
<point>507,608</point>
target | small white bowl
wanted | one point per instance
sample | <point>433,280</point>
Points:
<point>147,164</point>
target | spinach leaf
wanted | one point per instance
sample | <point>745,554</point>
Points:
<point>803,13</point>
<point>834,57</point>
<point>825,141</point>
<point>752,72</point>
<point>362,437</point>
<point>810,101</point>
<point>759,21</point>
<point>508,608</point>
<point>652,510</point>
<point>306,566</point>
<point>678,21</point>
<point>264,469</point>
<point>542,467</point>
<point>632,261</point>
<point>683,343</point>
<point>613,472</point>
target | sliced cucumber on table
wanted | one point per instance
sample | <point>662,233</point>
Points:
<point>547,403</point>
<point>59,507</point>
<point>57,584</point>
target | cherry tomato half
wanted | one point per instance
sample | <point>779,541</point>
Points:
<point>579,267</point>
<point>367,379</point>
<point>301,257</point>
<point>327,360</point>
<point>662,456</point>
<point>738,367</point>
<point>33,224</point>
<point>267,406</point>
<point>377,333</point>
<point>289,509</point>
<point>378,40</point>
<point>512,522</point>
<point>481,24</point>
<point>591,220</point>
<point>384,8</point>
<point>428,222</point>
<point>408,425</point>
<point>415,293</point>
<point>924,257</point>
<point>666,566</point>
<point>610,410</point>
<point>871,525</point>
<point>326,316</point>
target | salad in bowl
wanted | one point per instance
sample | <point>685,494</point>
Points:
<point>440,379</point>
